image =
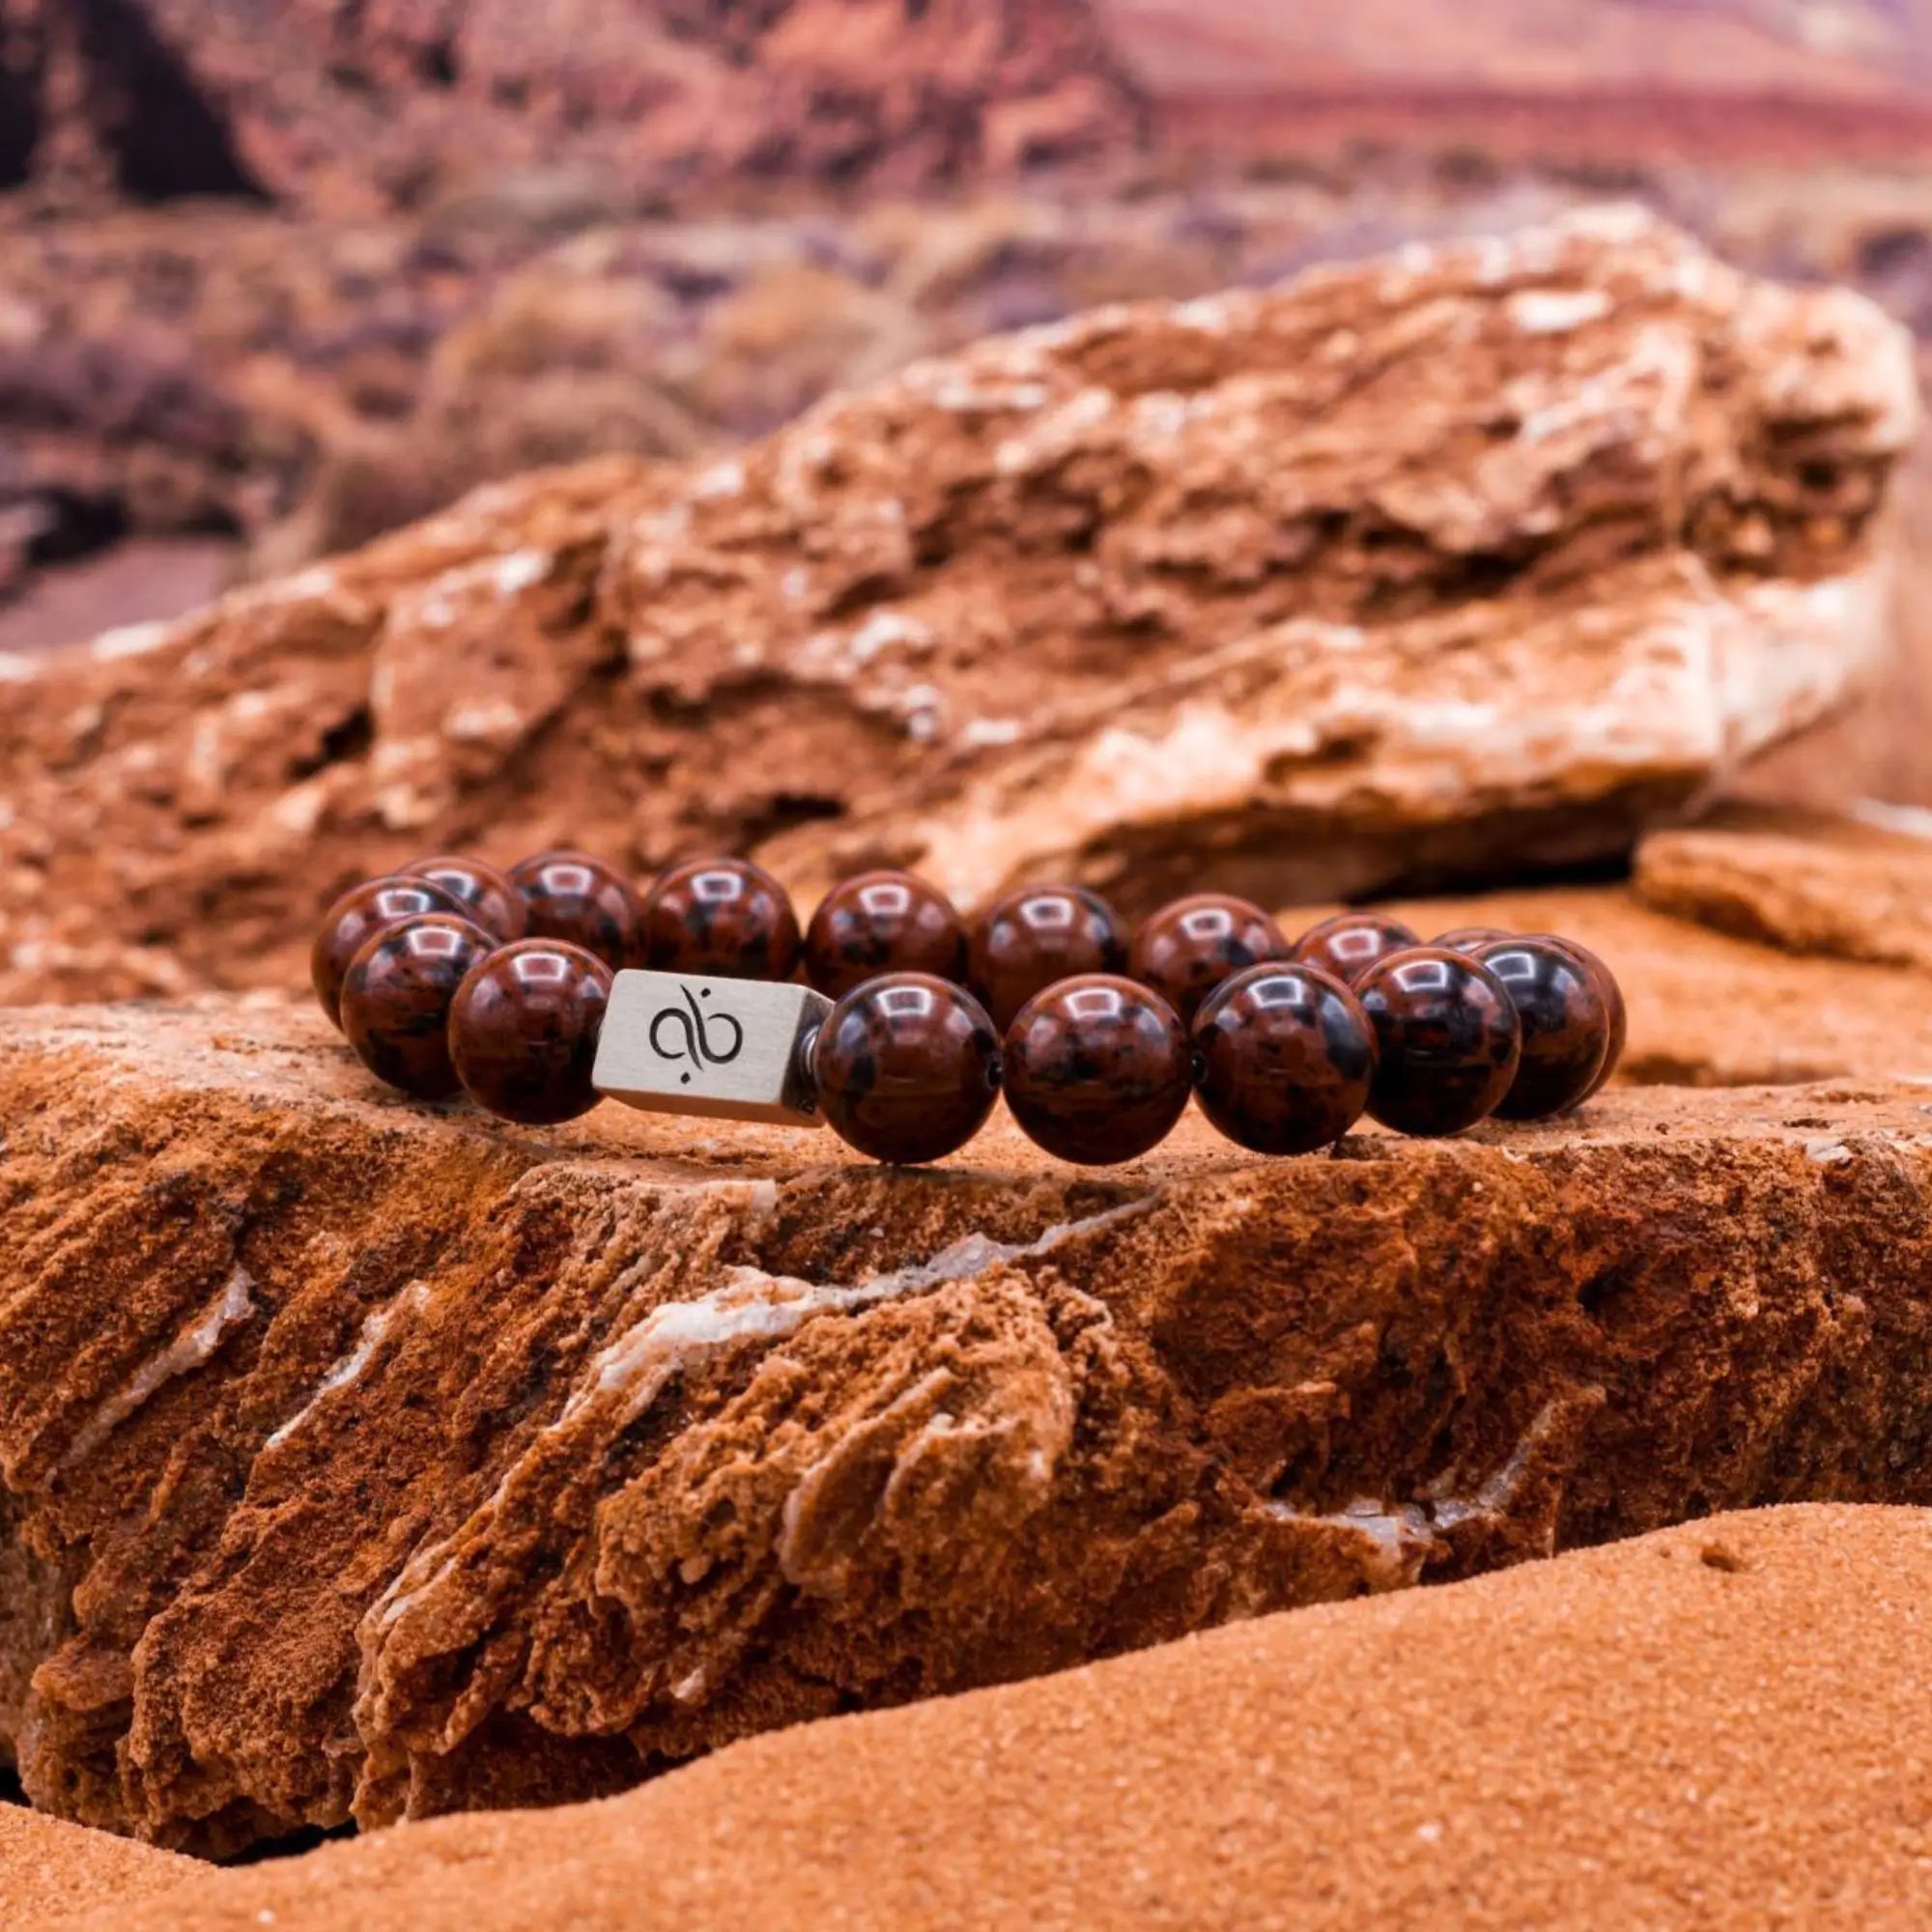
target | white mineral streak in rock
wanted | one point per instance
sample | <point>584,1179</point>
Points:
<point>349,1367</point>
<point>1554,312</point>
<point>1909,821</point>
<point>749,1306</point>
<point>134,640</point>
<point>1499,1492</point>
<point>187,1352</point>
<point>1400,1538</point>
<point>755,1306</point>
<point>1396,1542</point>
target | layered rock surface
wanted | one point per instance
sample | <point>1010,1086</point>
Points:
<point>1493,550</point>
<point>1692,1730</point>
<point>367,1459</point>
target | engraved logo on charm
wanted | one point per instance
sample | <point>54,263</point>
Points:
<point>713,1049</point>
<point>697,1044</point>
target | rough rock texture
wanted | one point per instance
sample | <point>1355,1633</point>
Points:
<point>1847,888</point>
<point>48,1869</point>
<point>1489,551</point>
<point>363,1458</point>
<point>294,387</point>
<point>1717,1727</point>
<point>349,109</point>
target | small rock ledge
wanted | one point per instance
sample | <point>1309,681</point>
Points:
<point>365,1460</point>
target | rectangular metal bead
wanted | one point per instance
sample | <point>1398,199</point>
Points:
<point>722,1049</point>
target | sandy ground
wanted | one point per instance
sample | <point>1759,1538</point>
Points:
<point>1723,1725</point>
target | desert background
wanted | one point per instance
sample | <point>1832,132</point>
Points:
<point>1460,458</point>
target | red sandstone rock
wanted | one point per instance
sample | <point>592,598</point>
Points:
<point>301,101</point>
<point>366,1459</point>
<point>1681,1732</point>
<point>1847,888</point>
<point>1481,554</point>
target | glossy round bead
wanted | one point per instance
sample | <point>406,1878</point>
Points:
<point>360,913</point>
<point>1470,938</point>
<point>575,896</point>
<point>1021,944</point>
<point>882,922</point>
<point>1613,996</point>
<point>907,1068</point>
<point>1187,949</point>
<point>396,999</point>
<point>1349,945</point>
<point>721,916</point>
<point>1098,1070</point>
<point>1566,1025</point>
<point>523,1026</point>
<point>1447,1040</point>
<point>1286,1057</point>
<point>487,896</point>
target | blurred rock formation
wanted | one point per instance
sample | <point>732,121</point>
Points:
<point>1471,559</point>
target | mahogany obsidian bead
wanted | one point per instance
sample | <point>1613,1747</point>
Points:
<point>487,896</point>
<point>1470,938</point>
<point>395,1002</point>
<point>907,1068</point>
<point>1447,1040</point>
<point>1098,1070</point>
<point>361,912</point>
<point>1286,1059</point>
<point>1187,949</point>
<point>1566,1025</point>
<point>575,896</point>
<point>1613,1001</point>
<point>721,916</point>
<point>1021,944</point>
<point>1349,945</point>
<point>882,922</point>
<point>523,1026</point>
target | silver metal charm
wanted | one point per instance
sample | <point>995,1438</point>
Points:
<point>725,1049</point>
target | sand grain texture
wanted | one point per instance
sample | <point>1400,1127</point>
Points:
<point>49,1869</point>
<point>1722,1726</point>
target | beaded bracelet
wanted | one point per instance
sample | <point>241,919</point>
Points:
<point>542,990</point>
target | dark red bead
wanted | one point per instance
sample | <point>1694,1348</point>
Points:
<point>1286,1058</point>
<point>721,916</point>
<point>1185,950</point>
<point>1350,944</point>
<point>882,922</point>
<point>1021,944</point>
<point>907,1068</point>
<point>360,913</point>
<point>1566,1026</point>
<point>1447,1040</point>
<point>1098,1070</point>
<point>487,896</point>
<point>1612,995</point>
<point>575,896</point>
<point>523,1026</point>
<point>396,999</point>
<point>1470,938</point>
